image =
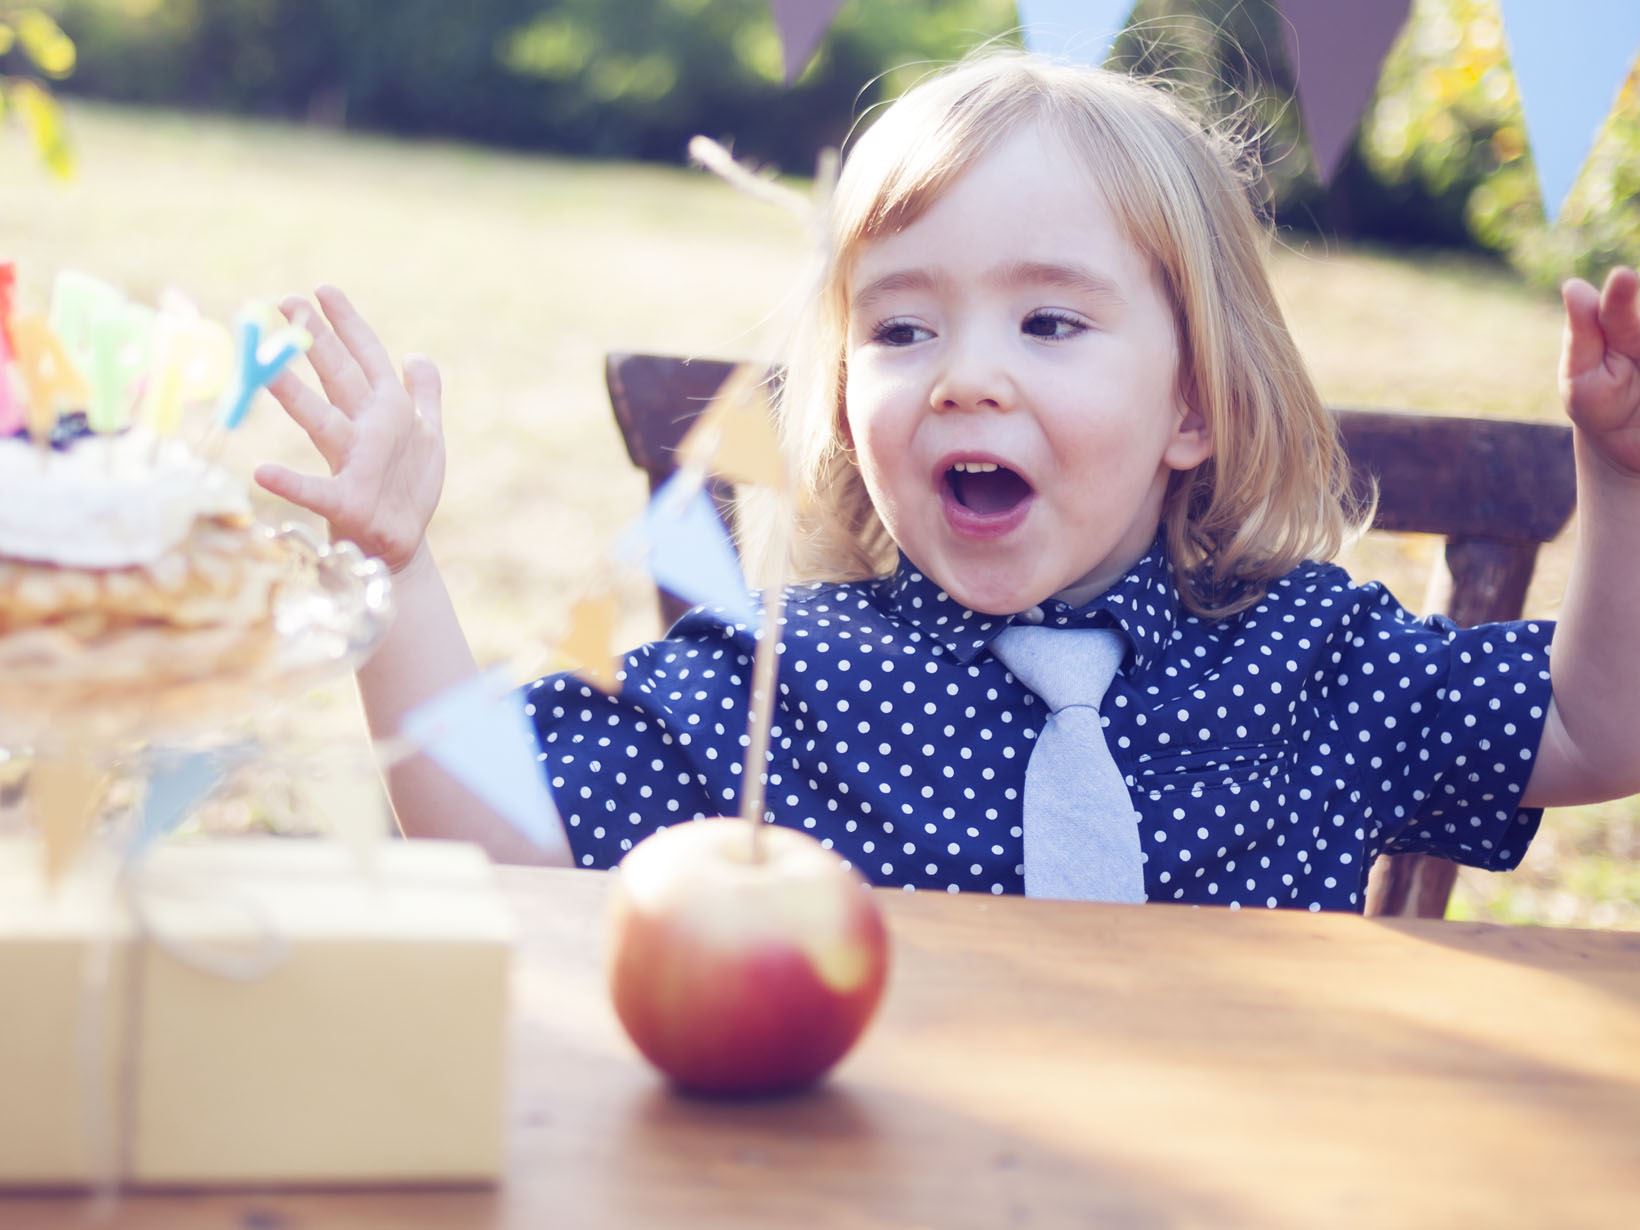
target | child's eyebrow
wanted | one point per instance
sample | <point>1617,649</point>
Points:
<point>891,283</point>
<point>1066,277</point>
<point>1071,277</point>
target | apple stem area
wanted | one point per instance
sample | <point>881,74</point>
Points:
<point>760,712</point>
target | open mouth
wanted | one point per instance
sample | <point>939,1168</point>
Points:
<point>987,488</point>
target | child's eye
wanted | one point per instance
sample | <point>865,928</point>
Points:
<point>1053,324</point>
<point>899,333</point>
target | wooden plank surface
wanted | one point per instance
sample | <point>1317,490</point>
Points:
<point>1046,1064</point>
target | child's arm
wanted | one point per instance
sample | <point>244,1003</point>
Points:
<point>382,439</point>
<point>1591,740</point>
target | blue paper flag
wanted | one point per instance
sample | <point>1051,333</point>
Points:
<point>1569,62</point>
<point>1078,30</point>
<point>479,732</point>
<point>178,781</point>
<point>689,551</point>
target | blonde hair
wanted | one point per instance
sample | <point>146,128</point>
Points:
<point>1275,491</point>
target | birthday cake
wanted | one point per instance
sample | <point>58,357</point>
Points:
<point>131,550</point>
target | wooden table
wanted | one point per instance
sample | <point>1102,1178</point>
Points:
<point>1048,1064</point>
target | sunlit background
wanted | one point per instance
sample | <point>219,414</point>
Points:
<point>500,184</point>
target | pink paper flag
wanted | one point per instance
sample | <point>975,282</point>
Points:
<point>1337,53</point>
<point>801,25</point>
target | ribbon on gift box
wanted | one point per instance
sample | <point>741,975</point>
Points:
<point>111,1130</point>
<point>66,794</point>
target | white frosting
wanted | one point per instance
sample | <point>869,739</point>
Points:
<point>108,501</point>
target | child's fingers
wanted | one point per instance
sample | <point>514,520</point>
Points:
<point>330,430</point>
<point>1583,348</point>
<point>319,495</point>
<point>426,388</point>
<point>1620,312</point>
<point>340,377</point>
<point>360,339</point>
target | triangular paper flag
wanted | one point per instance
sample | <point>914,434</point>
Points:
<point>801,25</point>
<point>734,437</point>
<point>1337,55</point>
<point>177,782</point>
<point>1078,30</point>
<point>587,648</point>
<point>64,795</point>
<point>688,550</point>
<point>1569,61</point>
<point>479,733</point>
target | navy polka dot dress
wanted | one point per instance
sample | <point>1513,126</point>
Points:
<point>1271,756</point>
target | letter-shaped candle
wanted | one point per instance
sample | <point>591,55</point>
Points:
<point>260,360</point>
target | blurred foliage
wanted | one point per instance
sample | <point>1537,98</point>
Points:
<point>1446,141</point>
<point>1442,157</point>
<point>34,50</point>
<point>627,78</point>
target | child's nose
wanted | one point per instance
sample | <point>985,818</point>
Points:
<point>973,378</point>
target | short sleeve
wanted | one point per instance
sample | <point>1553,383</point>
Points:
<point>1451,719</point>
<point>657,752</point>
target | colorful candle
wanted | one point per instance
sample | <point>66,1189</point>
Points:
<point>121,340</point>
<point>12,408</point>
<point>261,358</point>
<point>106,338</point>
<point>77,299</point>
<point>192,359</point>
<point>48,374</point>
<point>8,289</point>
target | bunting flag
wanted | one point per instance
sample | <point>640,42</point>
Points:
<point>1337,54</point>
<point>688,551</point>
<point>478,731</point>
<point>1569,61</point>
<point>801,25</point>
<point>178,781</point>
<point>64,796</point>
<point>588,647</point>
<point>734,437</point>
<point>1081,31</point>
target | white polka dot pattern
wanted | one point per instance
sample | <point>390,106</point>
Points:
<point>1271,756</point>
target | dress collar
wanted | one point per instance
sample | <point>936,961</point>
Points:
<point>1143,605</point>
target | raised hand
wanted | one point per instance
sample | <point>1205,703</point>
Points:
<point>1600,364</point>
<point>380,434</point>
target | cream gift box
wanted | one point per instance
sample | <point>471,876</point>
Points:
<point>372,1050</point>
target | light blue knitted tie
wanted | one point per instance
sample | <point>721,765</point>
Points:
<point>1081,832</point>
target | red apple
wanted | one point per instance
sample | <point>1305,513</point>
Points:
<point>742,976</point>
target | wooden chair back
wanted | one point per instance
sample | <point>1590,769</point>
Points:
<point>1495,490</point>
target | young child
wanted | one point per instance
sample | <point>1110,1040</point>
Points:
<point>1045,385</point>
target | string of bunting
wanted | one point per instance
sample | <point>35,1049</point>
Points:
<point>1569,62</point>
<point>480,732</point>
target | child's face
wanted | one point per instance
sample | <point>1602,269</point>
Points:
<point>1015,325</point>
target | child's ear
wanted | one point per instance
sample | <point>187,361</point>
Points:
<point>1192,440</point>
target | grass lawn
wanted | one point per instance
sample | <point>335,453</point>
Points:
<point>518,273</point>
